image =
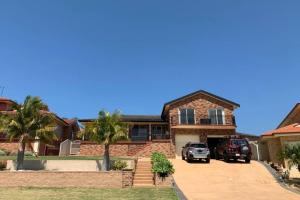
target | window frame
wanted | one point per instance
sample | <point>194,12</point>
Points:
<point>216,115</point>
<point>186,116</point>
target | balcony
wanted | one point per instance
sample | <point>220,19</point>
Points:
<point>208,121</point>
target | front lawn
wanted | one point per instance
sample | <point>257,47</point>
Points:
<point>62,158</point>
<point>86,193</point>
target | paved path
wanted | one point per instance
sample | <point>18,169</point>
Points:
<point>228,181</point>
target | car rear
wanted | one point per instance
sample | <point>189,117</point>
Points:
<point>239,149</point>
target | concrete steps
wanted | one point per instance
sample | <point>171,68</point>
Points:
<point>143,176</point>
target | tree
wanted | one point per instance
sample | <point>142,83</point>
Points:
<point>292,154</point>
<point>106,130</point>
<point>27,122</point>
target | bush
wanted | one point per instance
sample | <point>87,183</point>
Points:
<point>292,154</point>
<point>2,164</point>
<point>161,165</point>
<point>119,165</point>
<point>2,153</point>
<point>28,153</point>
<point>13,153</point>
<point>156,157</point>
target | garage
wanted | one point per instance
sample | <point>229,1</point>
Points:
<point>182,139</point>
<point>212,142</point>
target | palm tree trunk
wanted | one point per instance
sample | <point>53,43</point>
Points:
<point>106,160</point>
<point>20,156</point>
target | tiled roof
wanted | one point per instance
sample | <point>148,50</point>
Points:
<point>134,118</point>
<point>6,99</point>
<point>293,128</point>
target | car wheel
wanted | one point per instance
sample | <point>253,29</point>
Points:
<point>247,160</point>
<point>182,157</point>
<point>188,159</point>
<point>226,158</point>
<point>207,160</point>
<point>217,156</point>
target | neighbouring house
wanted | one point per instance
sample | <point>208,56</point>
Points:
<point>64,128</point>
<point>287,133</point>
<point>196,117</point>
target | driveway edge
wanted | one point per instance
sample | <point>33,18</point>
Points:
<point>278,178</point>
<point>177,190</point>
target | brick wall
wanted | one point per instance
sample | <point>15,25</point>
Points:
<point>129,149</point>
<point>9,146</point>
<point>274,146</point>
<point>112,179</point>
<point>201,103</point>
<point>163,181</point>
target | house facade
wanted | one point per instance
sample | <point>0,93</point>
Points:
<point>64,129</point>
<point>197,117</point>
<point>287,133</point>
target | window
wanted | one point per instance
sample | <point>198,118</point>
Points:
<point>187,116</point>
<point>159,132</point>
<point>217,116</point>
<point>198,145</point>
<point>139,132</point>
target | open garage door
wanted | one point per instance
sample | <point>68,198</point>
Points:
<point>182,139</point>
<point>212,142</point>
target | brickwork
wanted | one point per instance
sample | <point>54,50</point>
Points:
<point>201,103</point>
<point>163,181</point>
<point>274,146</point>
<point>112,179</point>
<point>127,178</point>
<point>9,146</point>
<point>128,149</point>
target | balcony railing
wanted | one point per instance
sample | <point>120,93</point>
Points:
<point>208,121</point>
<point>158,136</point>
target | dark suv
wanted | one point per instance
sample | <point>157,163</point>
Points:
<point>193,151</point>
<point>234,148</point>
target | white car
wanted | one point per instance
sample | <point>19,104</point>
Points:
<point>195,151</point>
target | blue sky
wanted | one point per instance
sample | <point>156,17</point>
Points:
<point>82,56</point>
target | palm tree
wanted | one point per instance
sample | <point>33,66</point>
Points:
<point>292,154</point>
<point>106,130</point>
<point>28,122</point>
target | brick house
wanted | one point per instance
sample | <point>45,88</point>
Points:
<point>64,128</point>
<point>196,117</point>
<point>286,133</point>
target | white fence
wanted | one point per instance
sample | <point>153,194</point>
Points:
<point>69,147</point>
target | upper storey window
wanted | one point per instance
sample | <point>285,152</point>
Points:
<point>186,116</point>
<point>217,116</point>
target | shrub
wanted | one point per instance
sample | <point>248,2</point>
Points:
<point>28,153</point>
<point>13,153</point>
<point>161,165</point>
<point>292,154</point>
<point>2,153</point>
<point>119,165</point>
<point>2,164</point>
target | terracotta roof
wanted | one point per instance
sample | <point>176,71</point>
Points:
<point>134,118</point>
<point>6,99</point>
<point>69,121</point>
<point>293,128</point>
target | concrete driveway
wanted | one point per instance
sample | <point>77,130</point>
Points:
<point>228,181</point>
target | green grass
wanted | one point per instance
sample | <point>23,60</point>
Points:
<point>62,158</point>
<point>27,193</point>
